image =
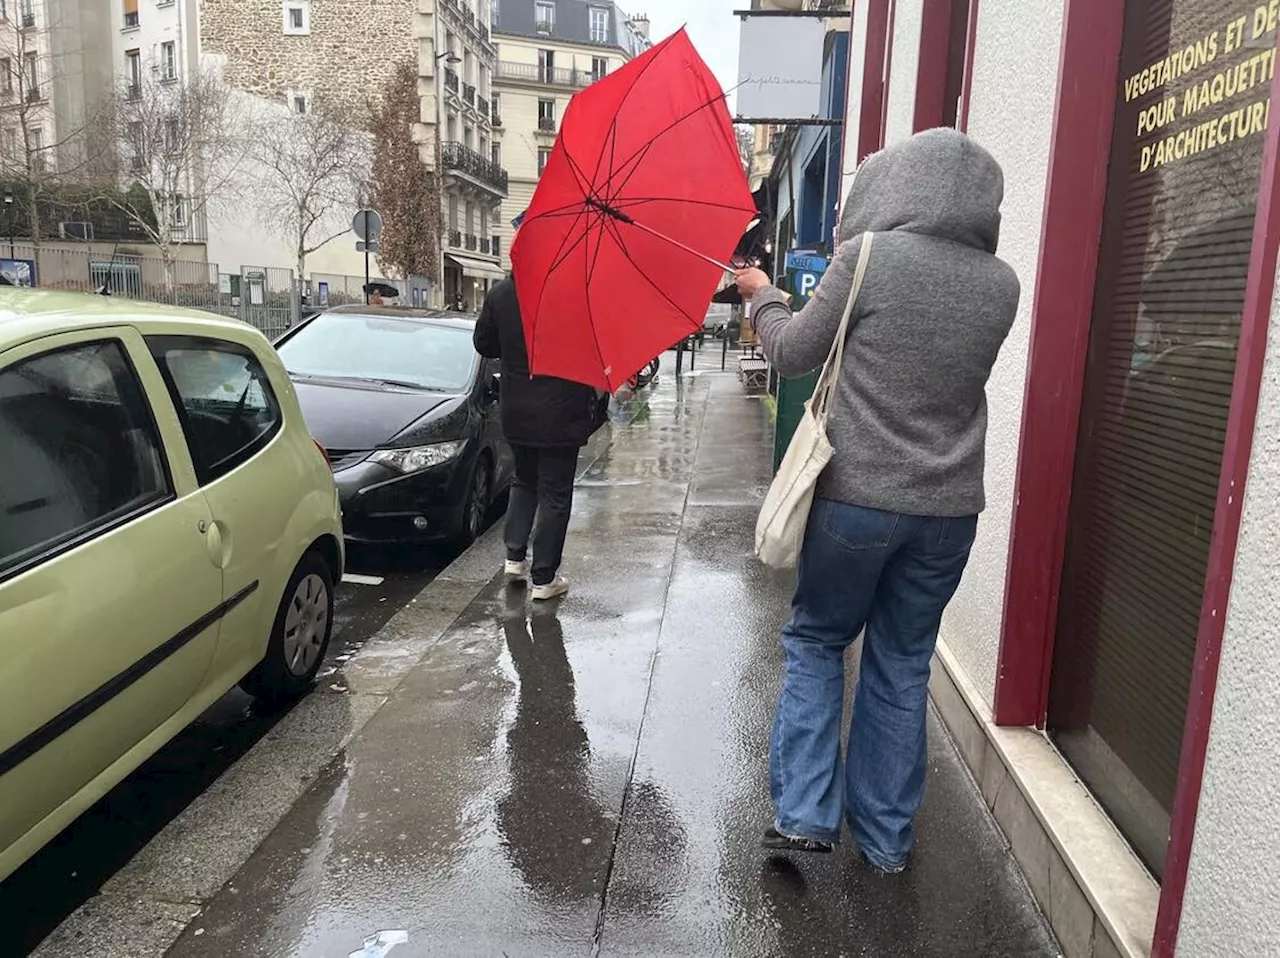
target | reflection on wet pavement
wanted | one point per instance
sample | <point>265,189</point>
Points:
<point>592,776</point>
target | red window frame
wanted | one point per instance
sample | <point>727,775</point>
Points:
<point>936,40</point>
<point>1061,315</point>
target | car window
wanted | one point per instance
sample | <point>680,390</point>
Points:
<point>224,398</point>
<point>81,450</point>
<point>382,349</point>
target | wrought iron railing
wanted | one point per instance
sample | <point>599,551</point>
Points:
<point>472,242</point>
<point>468,94</point>
<point>451,80</point>
<point>462,159</point>
<point>546,124</point>
<point>536,73</point>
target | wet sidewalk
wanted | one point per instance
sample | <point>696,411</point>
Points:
<point>593,776</point>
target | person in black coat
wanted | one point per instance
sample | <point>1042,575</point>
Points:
<point>547,421</point>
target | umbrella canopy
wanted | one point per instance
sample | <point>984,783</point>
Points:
<point>642,200</point>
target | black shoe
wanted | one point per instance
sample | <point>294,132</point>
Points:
<point>776,841</point>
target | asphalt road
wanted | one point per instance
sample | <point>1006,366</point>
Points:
<point>71,869</point>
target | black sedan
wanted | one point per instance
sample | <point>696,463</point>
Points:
<point>408,414</point>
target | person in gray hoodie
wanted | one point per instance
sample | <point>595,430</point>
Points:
<point>897,508</point>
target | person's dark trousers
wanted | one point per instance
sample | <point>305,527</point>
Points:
<point>543,488</point>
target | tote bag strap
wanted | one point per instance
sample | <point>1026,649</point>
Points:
<point>830,376</point>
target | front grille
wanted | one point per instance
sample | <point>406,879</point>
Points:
<point>346,458</point>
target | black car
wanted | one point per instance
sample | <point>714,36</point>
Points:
<point>408,414</point>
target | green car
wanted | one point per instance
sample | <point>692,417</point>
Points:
<point>168,528</point>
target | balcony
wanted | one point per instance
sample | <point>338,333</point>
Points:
<point>534,73</point>
<point>546,124</point>
<point>33,94</point>
<point>134,92</point>
<point>131,20</point>
<point>458,158</point>
<point>28,21</point>
<point>483,106</point>
<point>451,81</point>
<point>468,94</point>
<point>490,245</point>
<point>455,239</point>
<point>472,242</point>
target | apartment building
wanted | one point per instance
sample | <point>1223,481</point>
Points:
<point>282,56</point>
<point>548,50</point>
<point>461,141</point>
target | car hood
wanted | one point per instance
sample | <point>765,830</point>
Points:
<point>354,416</point>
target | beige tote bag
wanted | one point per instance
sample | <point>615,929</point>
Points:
<point>785,514</point>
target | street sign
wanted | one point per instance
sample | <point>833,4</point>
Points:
<point>804,271</point>
<point>367,225</point>
<point>363,247</point>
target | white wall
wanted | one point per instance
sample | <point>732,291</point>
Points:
<point>241,236</point>
<point>1232,904</point>
<point>1015,38</point>
<point>908,18</point>
<point>853,105</point>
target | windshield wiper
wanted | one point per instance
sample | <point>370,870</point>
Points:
<point>376,380</point>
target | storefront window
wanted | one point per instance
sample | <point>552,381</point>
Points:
<point>1191,111</point>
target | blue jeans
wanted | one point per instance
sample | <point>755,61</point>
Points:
<point>892,575</point>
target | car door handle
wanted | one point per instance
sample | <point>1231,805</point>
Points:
<point>218,541</point>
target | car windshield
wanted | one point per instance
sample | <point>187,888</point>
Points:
<point>382,349</point>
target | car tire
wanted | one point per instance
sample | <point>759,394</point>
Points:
<point>475,510</point>
<point>299,636</point>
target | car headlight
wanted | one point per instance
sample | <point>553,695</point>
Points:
<point>417,458</point>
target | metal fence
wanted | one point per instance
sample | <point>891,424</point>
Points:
<point>332,289</point>
<point>266,297</point>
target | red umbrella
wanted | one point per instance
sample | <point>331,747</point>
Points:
<point>641,202</point>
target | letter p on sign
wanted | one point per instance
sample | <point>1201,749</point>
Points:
<point>808,283</point>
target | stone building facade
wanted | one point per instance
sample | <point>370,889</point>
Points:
<point>340,52</point>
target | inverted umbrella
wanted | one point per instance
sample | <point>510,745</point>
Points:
<point>641,203</point>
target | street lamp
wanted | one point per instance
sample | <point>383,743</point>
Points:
<point>449,57</point>
<point>8,211</point>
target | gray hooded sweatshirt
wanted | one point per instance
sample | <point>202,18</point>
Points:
<point>909,420</point>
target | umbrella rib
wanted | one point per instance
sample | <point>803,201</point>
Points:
<point>562,257</point>
<point>631,201</point>
<point>537,310</point>
<point>657,52</point>
<point>617,235</point>
<point>645,149</point>
<point>591,319</point>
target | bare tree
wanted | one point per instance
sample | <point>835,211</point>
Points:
<point>313,167</point>
<point>180,145</point>
<point>404,191</point>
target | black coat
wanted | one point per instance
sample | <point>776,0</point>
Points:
<point>536,410</point>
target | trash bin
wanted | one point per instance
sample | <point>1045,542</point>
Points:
<point>792,395</point>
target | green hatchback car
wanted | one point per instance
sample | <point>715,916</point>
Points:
<point>168,528</point>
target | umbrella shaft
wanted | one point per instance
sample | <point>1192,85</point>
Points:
<point>688,249</point>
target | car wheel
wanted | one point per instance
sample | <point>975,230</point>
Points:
<point>476,508</point>
<point>299,636</point>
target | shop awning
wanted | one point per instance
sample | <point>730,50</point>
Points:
<point>475,268</point>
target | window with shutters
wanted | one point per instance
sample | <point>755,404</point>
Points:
<point>1177,229</point>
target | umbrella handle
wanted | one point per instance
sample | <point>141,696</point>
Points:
<point>675,242</point>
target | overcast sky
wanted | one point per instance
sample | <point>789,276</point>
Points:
<point>712,27</point>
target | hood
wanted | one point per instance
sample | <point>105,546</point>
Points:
<point>348,416</point>
<point>938,183</point>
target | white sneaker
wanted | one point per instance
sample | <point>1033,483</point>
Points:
<point>552,590</point>
<point>517,572</point>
